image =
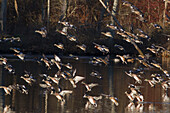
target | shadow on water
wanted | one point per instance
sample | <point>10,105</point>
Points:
<point>114,82</point>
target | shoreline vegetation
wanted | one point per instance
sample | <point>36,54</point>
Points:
<point>90,21</point>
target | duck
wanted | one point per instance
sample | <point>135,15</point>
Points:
<point>139,97</point>
<point>7,89</point>
<point>135,10</point>
<point>113,99</point>
<point>69,73</point>
<point>157,78</point>
<point>3,60</point>
<point>134,89</point>
<point>64,75</point>
<point>68,65</point>
<point>97,46</point>
<point>122,58</point>
<point>88,105</point>
<point>12,39</point>
<point>140,107</point>
<point>165,97</point>
<point>42,32</point>
<point>6,109</point>
<point>131,35</point>
<point>55,79</point>
<point>63,31</point>
<point>57,63</point>
<point>166,73</point>
<point>161,49</point>
<point>144,63</point>
<point>58,59</point>
<point>151,82</point>
<point>134,86</point>
<point>131,106</point>
<point>20,56</point>
<point>119,47</point>
<point>29,79</point>
<point>142,34</point>
<point>130,60</point>
<point>94,61</point>
<point>156,65</point>
<point>135,76</point>
<point>108,34</point>
<point>106,49</point>
<point>137,70</point>
<point>128,39</point>
<point>159,67</point>
<point>89,86</point>
<point>101,48</point>
<point>74,57</point>
<point>113,27</point>
<point>9,68</point>
<point>22,89</point>
<point>67,24</point>
<point>47,83</point>
<point>137,41</point>
<point>130,96</point>
<point>18,39</point>
<point>92,99</point>
<point>152,107</point>
<point>82,47</point>
<point>47,63</point>
<point>165,84</point>
<point>126,3</point>
<point>96,74</point>
<point>101,60</point>
<point>60,95</point>
<point>72,38</point>
<point>124,35</point>
<point>60,46</point>
<point>75,79</point>
<point>64,23</point>
<point>141,18</point>
<point>157,26</point>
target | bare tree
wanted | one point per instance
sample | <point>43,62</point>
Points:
<point>164,12</point>
<point>3,14</point>
<point>16,7</point>
<point>114,8</point>
<point>64,9</point>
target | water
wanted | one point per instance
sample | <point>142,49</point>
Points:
<point>114,82</point>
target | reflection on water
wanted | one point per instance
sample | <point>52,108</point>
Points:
<point>114,82</point>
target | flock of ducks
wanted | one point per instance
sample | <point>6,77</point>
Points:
<point>66,71</point>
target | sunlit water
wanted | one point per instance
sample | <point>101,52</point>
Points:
<point>114,82</point>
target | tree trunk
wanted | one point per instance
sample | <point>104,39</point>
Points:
<point>114,8</point>
<point>16,7</point>
<point>3,15</point>
<point>115,4</point>
<point>164,13</point>
<point>43,12</point>
<point>64,10</point>
<point>48,15</point>
<point>149,16</point>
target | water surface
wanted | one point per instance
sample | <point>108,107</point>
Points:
<point>114,82</point>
